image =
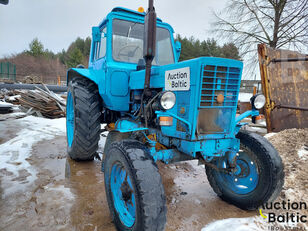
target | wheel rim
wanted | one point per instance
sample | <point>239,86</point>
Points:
<point>246,176</point>
<point>123,194</point>
<point>69,119</point>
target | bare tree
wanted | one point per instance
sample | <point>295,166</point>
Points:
<point>277,23</point>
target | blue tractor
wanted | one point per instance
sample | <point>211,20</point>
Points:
<point>159,109</point>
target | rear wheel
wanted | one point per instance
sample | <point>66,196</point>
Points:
<point>83,112</point>
<point>258,177</point>
<point>134,189</point>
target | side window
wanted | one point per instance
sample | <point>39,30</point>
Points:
<point>96,45</point>
<point>102,49</point>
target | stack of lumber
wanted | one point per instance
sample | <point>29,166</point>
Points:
<point>42,102</point>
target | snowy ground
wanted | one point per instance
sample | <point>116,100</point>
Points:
<point>15,152</point>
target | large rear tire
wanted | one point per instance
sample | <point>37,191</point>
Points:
<point>259,175</point>
<point>83,114</point>
<point>134,189</point>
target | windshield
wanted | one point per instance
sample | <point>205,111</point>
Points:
<point>127,43</point>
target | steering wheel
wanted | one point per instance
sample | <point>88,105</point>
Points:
<point>131,51</point>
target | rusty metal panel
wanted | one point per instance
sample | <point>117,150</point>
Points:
<point>284,77</point>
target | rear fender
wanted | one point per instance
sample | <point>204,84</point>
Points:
<point>98,77</point>
<point>89,74</point>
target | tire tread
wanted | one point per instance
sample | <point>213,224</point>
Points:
<point>88,119</point>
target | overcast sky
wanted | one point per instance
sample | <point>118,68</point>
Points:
<point>57,23</point>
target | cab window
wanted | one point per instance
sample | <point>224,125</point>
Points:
<point>127,43</point>
<point>102,49</point>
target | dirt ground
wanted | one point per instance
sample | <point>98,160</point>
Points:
<point>51,192</point>
<point>292,145</point>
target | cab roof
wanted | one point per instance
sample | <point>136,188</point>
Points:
<point>126,12</point>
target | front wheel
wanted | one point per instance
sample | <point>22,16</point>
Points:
<point>134,189</point>
<point>258,177</point>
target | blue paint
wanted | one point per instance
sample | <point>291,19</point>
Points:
<point>124,125</point>
<point>207,148</point>
<point>178,49</point>
<point>238,127</point>
<point>125,208</point>
<point>70,119</point>
<point>246,177</point>
<point>163,155</point>
<point>246,114</point>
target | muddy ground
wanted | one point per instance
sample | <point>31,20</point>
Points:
<point>51,192</point>
<point>69,195</point>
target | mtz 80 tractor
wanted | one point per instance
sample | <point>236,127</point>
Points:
<point>159,109</point>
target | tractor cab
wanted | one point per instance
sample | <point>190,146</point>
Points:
<point>120,39</point>
<point>117,50</point>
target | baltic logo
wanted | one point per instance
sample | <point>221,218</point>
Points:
<point>284,212</point>
<point>177,79</point>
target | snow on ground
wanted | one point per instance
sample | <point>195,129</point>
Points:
<point>12,115</point>
<point>187,181</point>
<point>234,224</point>
<point>14,97</point>
<point>268,135</point>
<point>303,152</point>
<point>5,104</point>
<point>14,153</point>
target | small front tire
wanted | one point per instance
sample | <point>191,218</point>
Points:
<point>258,178</point>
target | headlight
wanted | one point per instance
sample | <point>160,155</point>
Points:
<point>258,101</point>
<point>167,100</point>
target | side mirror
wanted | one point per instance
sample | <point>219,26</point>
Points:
<point>5,2</point>
<point>96,34</point>
<point>178,49</point>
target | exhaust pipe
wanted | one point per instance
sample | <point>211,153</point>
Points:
<point>149,46</point>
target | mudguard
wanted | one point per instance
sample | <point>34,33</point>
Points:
<point>115,96</point>
<point>88,73</point>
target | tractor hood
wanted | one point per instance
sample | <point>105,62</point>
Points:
<point>179,76</point>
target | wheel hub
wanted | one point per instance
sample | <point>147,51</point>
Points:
<point>123,194</point>
<point>126,191</point>
<point>243,178</point>
<point>242,169</point>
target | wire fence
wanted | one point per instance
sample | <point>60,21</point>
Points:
<point>7,71</point>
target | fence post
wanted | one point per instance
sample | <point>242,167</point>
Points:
<point>8,70</point>
<point>14,76</point>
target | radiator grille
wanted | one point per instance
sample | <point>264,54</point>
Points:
<point>219,80</point>
<point>215,117</point>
